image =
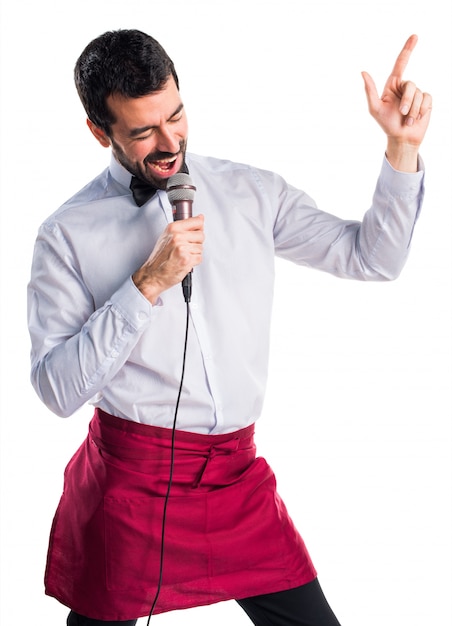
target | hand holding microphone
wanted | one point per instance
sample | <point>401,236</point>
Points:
<point>181,193</point>
<point>179,247</point>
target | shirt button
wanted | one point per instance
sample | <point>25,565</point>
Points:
<point>142,315</point>
<point>114,354</point>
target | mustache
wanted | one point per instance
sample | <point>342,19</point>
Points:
<point>160,156</point>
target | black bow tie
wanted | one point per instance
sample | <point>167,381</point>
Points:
<point>143,191</point>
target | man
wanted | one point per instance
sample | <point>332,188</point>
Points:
<point>169,464</point>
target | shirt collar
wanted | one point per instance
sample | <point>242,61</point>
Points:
<point>119,173</point>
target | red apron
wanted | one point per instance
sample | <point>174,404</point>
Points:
<point>227,535</point>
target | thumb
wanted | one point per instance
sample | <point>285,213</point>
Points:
<point>371,91</point>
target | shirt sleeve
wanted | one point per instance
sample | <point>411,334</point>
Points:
<point>68,335</point>
<point>375,248</point>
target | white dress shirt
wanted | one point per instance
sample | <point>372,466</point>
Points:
<point>96,338</point>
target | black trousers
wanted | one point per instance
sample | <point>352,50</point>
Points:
<point>302,606</point>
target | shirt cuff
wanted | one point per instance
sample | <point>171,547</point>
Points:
<point>402,183</point>
<point>130,303</point>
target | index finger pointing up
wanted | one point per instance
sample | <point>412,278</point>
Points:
<point>404,56</point>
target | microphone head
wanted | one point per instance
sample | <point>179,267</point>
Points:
<point>180,187</point>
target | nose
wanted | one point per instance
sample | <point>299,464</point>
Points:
<point>168,140</point>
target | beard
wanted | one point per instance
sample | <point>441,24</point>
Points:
<point>141,171</point>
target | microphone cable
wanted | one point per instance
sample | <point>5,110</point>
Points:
<point>170,480</point>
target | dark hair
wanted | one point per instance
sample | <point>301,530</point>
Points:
<point>125,62</point>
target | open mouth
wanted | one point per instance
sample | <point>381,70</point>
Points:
<point>163,166</point>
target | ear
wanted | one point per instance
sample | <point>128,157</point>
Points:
<point>99,134</point>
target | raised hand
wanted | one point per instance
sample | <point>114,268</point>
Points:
<point>402,111</point>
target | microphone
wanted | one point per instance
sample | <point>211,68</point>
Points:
<point>181,193</point>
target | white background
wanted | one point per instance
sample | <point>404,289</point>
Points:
<point>357,414</point>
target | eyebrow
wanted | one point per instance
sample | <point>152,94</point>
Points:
<point>138,131</point>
